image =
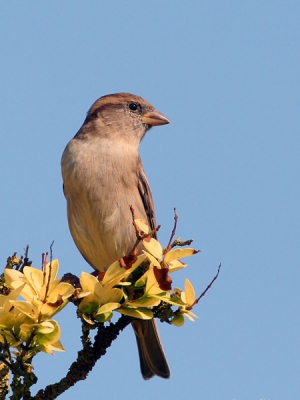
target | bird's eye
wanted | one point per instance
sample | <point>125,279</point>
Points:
<point>133,106</point>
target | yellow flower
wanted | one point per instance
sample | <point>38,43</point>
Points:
<point>47,336</point>
<point>155,282</point>
<point>44,294</point>
<point>9,316</point>
<point>96,296</point>
<point>188,298</point>
<point>171,258</point>
<point>30,320</point>
<point>101,298</point>
<point>162,263</point>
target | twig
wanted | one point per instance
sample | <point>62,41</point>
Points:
<point>168,248</point>
<point>26,261</point>
<point>208,287</point>
<point>51,252</point>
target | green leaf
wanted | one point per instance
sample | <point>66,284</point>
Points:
<point>104,317</point>
<point>178,320</point>
<point>89,304</point>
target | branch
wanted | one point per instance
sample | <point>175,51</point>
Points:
<point>86,359</point>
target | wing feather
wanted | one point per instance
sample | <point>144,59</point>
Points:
<point>146,196</point>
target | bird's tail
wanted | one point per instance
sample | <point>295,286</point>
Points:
<point>152,357</point>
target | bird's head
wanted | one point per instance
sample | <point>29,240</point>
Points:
<point>122,116</point>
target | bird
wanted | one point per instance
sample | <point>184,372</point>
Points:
<point>103,176</point>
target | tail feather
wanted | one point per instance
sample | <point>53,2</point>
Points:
<point>152,357</point>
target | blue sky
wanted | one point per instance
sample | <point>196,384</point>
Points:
<point>227,75</point>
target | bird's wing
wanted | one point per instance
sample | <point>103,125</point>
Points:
<point>146,195</point>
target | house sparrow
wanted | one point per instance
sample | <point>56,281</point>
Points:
<point>103,176</point>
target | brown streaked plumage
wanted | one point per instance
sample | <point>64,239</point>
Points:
<point>103,175</point>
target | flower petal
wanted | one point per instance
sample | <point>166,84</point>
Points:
<point>171,300</point>
<point>152,284</point>
<point>51,269</point>
<point>152,259</point>
<point>176,265</point>
<point>34,278</point>
<point>179,253</point>
<point>11,275</point>
<point>63,290</point>
<point>145,301</point>
<point>189,293</point>
<point>48,337</point>
<point>142,225</point>
<point>57,346</point>
<point>26,308</point>
<point>113,295</point>
<point>108,307</point>
<point>115,273</point>
<point>88,282</point>
<point>141,313</point>
<point>153,247</point>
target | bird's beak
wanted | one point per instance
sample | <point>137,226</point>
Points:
<point>155,118</point>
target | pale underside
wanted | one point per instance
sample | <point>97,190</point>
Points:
<point>105,233</point>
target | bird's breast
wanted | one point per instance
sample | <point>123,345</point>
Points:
<point>100,185</point>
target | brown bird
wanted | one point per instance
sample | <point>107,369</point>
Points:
<point>103,175</point>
